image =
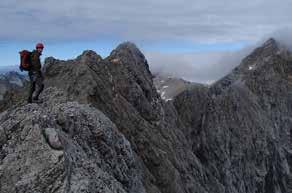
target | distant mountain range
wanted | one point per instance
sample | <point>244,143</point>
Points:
<point>5,69</point>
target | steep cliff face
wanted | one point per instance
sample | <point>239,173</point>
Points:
<point>244,134</point>
<point>104,128</point>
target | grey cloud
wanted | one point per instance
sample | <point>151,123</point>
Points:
<point>209,67</point>
<point>195,67</point>
<point>206,67</point>
<point>198,21</point>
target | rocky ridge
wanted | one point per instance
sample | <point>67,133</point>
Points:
<point>62,146</point>
<point>244,133</point>
<point>121,86</point>
<point>104,128</point>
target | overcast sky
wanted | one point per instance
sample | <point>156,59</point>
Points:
<point>183,37</point>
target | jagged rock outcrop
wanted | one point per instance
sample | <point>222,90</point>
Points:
<point>62,146</point>
<point>244,134</point>
<point>104,128</point>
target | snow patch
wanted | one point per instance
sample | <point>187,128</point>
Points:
<point>163,95</point>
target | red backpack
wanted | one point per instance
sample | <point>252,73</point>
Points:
<point>25,60</point>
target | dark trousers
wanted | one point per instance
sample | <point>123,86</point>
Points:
<point>36,84</point>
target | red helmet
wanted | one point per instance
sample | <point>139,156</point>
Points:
<point>39,45</point>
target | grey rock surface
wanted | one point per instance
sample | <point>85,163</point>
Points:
<point>64,146</point>
<point>244,134</point>
<point>121,86</point>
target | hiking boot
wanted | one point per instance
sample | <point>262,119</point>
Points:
<point>29,100</point>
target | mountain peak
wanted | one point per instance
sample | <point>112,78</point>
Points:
<point>127,49</point>
<point>274,47</point>
<point>128,54</point>
<point>271,42</point>
<point>268,48</point>
<point>265,52</point>
<point>89,54</point>
<point>261,60</point>
<point>128,45</point>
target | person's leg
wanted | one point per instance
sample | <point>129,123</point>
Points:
<point>32,87</point>
<point>39,91</point>
<point>40,86</point>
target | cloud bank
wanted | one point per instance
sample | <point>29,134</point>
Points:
<point>196,21</point>
<point>208,67</point>
<point>204,68</point>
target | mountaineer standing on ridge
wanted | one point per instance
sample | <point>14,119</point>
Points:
<point>30,61</point>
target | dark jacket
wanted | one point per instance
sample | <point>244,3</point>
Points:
<point>35,61</point>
